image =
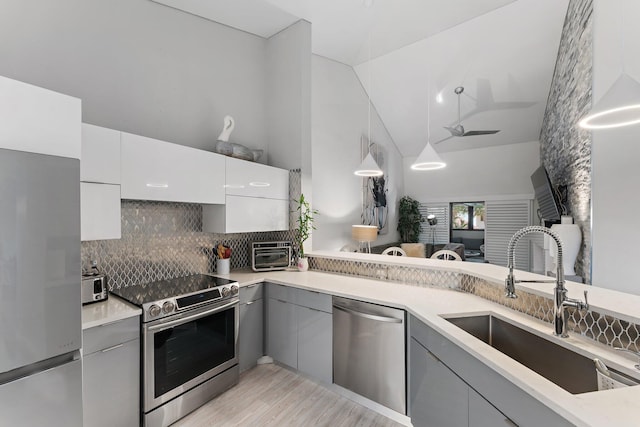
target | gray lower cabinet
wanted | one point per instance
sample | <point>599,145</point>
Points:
<point>450,387</point>
<point>251,335</point>
<point>315,343</point>
<point>484,414</point>
<point>299,330</point>
<point>282,332</point>
<point>111,374</point>
<point>437,397</point>
<point>440,398</point>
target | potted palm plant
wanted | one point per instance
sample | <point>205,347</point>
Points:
<point>305,225</point>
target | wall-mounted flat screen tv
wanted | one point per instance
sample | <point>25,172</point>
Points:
<point>546,197</point>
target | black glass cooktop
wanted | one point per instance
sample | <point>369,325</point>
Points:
<point>163,289</point>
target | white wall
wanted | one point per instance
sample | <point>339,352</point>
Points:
<point>288,104</point>
<point>476,175</point>
<point>339,119</point>
<point>615,173</point>
<point>288,94</point>
<point>139,66</point>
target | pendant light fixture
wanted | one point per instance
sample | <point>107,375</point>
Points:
<point>428,158</point>
<point>620,105</point>
<point>369,166</point>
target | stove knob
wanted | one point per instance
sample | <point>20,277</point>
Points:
<point>154,310</point>
<point>225,292</point>
<point>168,307</point>
<point>234,289</point>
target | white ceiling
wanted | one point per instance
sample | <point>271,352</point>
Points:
<point>342,29</point>
<point>258,17</point>
<point>505,61</point>
<point>502,51</point>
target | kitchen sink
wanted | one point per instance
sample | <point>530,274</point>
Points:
<point>567,369</point>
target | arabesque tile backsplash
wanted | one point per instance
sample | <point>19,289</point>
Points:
<point>163,240</point>
<point>600,327</point>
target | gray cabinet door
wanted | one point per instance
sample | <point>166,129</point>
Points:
<point>282,332</point>
<point>111,386</point>
<point>251,336</point>
<point>484,414</point>
<point>315,344</point>
<point>437,397</point>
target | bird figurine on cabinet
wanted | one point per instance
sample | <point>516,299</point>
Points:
<point>239,151</point>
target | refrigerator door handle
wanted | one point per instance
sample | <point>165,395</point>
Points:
<point>44,365</point>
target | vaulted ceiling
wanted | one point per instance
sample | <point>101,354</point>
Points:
<point>410,55</point>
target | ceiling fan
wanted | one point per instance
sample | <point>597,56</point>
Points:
<point>458,130</point>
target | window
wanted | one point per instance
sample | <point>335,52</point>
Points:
<point>467,216</point>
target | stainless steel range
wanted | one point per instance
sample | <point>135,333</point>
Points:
<point>189,343</point>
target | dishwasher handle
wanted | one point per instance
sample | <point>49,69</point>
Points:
<point>367,315</point>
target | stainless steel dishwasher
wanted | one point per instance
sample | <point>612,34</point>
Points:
<point>369,351</point>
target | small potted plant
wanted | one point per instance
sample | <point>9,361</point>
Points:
<point>305,225</point>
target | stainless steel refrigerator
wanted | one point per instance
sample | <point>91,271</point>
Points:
<point>40,309</point>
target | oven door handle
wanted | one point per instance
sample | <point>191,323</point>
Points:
<point>167,325</point>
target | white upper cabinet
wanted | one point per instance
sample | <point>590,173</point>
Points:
<point>246,215</point>
<point>100,186</point>
<point>257,199</point>
<point>100,217</point>
<point>158,170</point>
<point>100,161</point>
<point>256,180</point>
<point>38,120</point>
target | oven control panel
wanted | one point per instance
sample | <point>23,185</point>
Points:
<point>170,306</point>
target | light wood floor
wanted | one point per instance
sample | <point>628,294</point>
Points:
<point>269,395</point>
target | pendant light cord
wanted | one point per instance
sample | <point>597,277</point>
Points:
<point>624,71</point>
<point>428,111</point>
<point>369,92</point>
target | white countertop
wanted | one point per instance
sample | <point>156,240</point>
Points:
<point>429,304</point>
<point>111,310</point>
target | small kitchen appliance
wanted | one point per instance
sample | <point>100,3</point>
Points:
<point>270,256</point>
<point>94,288</point>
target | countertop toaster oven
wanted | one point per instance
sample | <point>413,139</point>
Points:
<point>270,256</point>
<point>94,288</point>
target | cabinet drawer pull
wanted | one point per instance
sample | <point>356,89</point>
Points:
<point>111,323</point>
<point>252,286</point>
<point>250,302</point>
<point>282,301</point>
<point>112,348</point>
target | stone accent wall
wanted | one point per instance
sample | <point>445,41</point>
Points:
<point>565,149</point>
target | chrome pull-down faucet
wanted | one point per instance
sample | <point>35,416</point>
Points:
<point>560,292</point>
